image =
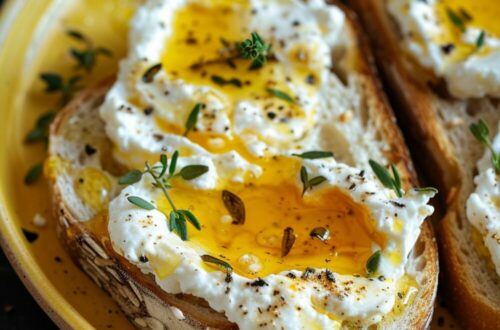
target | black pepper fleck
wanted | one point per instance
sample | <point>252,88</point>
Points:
<point>89,150</point>
<point>447,48</point>
<point>271,115</point>
<point>258,282</point>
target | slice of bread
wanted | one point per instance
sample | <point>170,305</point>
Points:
<point>78,142</point>
<point>438,127</point>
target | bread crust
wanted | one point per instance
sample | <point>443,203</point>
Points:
<point>442,166</point>
<point>97,258</point>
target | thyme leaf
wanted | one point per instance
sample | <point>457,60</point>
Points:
<point>192,118</point>
<point>309,183</point>
<point>315,154</point>
<point>40,132</point>
<point>455,19</point>
<point>55,83</point>
<point>316,181</point>
<point>481,132</point>
<point>373,262</point>
<point>173,163</point>
<point>426,190</point>
<point>86,58</point>
<point>191,172</point>
<point>191,218</point>
<point>222,81</point>
<point>33,173</point>
<point>140,202</point>
<point>131,177</point>
<point>172,221</point>
<point>385,178</point>
<point>280,94</point>
<point>480,40</point>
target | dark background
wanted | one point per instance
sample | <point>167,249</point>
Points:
<point>18,310</point>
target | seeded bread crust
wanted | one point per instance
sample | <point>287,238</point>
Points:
<point>438,126</point>
<point>144,303</point>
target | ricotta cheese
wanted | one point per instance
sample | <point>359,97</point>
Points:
<point>246,136</point>
<point>434,41</point>
<point>302,298</point>
<point>483,206</point>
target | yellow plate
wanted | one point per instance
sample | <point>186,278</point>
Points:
<point>33,40</point>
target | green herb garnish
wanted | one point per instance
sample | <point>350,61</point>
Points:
<point>391,182</point>
<point>455,19</point>
<point>33,173</point>
<point>56,84</point>
<point>256,50</point>
<point>481,132</point>
<point>86,58</point>
<point>192,118</point>
<point>480,40</point>
<point>315,154</point>
<point>309,183</point>
<point>131,177</point>
<point>191,172</point>
<point>162,175</point>
<point>280,94</point>
<point>141,203</point>
<point>373,262</point>
<point>426,190</point>
<point>41,130</point>
<point>222,81</point>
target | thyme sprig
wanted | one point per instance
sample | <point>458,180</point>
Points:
<point>255,49</point>
<point>86,57</point>
<point>456,19</point>
<point>162,176</point>
<point>392,182</point>
<point>309,183</point>
<point>481,132</point>
<point>55,83</point>
<point>41,130</point>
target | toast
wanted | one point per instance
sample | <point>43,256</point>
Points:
<point>78,142</point>
<point>438,125</point>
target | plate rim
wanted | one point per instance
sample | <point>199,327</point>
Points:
<point>52,302</point>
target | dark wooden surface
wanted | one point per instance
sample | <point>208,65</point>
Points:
<point>18,310</point>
